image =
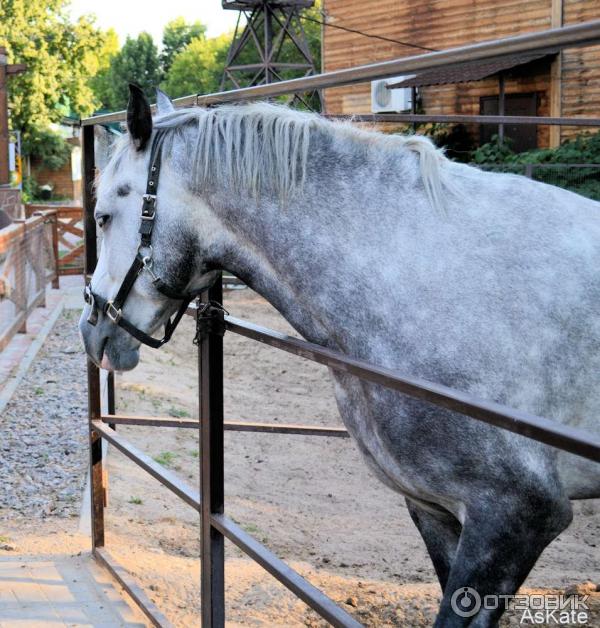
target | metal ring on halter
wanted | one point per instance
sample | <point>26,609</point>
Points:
<point>148,263</point>
<point>146,246</point>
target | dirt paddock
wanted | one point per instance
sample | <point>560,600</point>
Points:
<point>311,500</point>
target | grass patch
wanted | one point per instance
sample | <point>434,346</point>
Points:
<point>255,531</point>
<point>135,500</point>
<point>178,413</point>
<point>194,453</point>
<point>165,458</point>
<point>38,390</point>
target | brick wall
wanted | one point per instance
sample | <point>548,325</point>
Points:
<point>60,180</point>
<point>10,202</point>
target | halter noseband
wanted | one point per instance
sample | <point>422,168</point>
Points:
<point>113,308</point>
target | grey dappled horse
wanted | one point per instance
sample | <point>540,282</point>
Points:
<point>380,247</point>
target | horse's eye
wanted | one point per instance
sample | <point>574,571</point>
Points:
<point>103,220</point>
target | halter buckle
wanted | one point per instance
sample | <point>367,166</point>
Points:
<point>112,312</point>
<point>149,198</point>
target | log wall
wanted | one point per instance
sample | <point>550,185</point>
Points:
<point>445,24</point>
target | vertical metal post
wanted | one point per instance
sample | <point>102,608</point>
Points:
<point>93,372</point>
<point>110,397</point>
<point>501,106</point>
<point>268,51</point>
<point>210,367</point>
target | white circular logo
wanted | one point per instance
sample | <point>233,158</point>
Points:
<point>465,602</point>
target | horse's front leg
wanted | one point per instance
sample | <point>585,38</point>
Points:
<point>441,532</point>
<point>501,540</point>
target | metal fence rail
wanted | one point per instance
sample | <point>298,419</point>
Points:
<point>27,265</point>
<point>215,526</point>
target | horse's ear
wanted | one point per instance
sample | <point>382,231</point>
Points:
<point>139,117</point>
<point>103,141</point>
<point>163,103</point>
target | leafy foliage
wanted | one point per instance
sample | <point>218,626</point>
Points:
<point>49,147</point>
<point>177,34</point>
<point>583,149</point>
<point>60,56</point>
<point>136,62</point>
<point>494,152</point>
<point>198,67</point>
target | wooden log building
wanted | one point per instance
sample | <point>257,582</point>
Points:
<point>558,84</point>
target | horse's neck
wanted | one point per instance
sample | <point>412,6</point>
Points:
<point>284,254</point>
<point>316,257</point>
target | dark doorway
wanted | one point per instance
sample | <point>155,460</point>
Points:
<point>524,137</point>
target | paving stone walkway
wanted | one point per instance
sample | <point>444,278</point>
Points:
<point>61,592</point>
<point>64,590</point>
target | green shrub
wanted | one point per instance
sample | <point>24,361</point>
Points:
<point>49,147</point>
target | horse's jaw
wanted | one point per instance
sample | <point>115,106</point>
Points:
<point>107,346</point>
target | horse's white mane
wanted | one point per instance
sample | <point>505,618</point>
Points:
<point>260,144</point>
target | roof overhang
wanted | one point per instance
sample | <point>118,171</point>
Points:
<point>470,71</point>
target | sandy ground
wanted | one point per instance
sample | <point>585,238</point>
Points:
<point>311,500</point>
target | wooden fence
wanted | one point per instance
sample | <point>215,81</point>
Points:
<point>70,236</point>
<point>28,256</point>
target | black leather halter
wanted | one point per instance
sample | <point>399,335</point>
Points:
<point>143,262</point>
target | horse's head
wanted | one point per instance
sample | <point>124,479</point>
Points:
<point>166,259</point>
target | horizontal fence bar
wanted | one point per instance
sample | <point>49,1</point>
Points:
<point>286,428</point>
<point>308,593</point>
<point>574,35</point>
<point>232,426</point>
<point>122,576</point>
<point>149,421</point>
<point>567,438</point>
<point>407,118</point>
<point>156,470</point>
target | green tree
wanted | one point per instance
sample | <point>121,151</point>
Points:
<point>177,34</point>
<point>60,56</point>
<point>100,81</point>
<point>198,67</point>
<point>136,62</point>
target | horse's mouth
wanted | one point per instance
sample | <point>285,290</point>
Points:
<point>107,351</point>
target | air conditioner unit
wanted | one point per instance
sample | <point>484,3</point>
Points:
<point>384,100</point>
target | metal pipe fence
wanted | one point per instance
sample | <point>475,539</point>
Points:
<point>28,262</point>
<point>209,501</point>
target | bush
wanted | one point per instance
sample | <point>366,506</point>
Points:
<point>49,147</point>
<point>30,191</point>
<point>583,149</point>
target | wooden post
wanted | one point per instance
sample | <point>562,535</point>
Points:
<point>556,21</point>
<point>56,278</point>
<point>20,267</point>
<point>5,71</point>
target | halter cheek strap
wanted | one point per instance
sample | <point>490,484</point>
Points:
<point>112,309</point>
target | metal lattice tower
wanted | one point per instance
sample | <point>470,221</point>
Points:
<point>258,54</point>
